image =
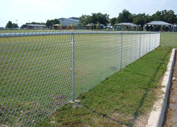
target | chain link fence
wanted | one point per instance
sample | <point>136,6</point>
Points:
<point>42,71</point>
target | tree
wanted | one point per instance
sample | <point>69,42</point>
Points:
<point>27,26</point>
<point>113,21</point>
<point>101,18</point>
<point>9,24</point>
<point>141,19</point>
<point>83,20</point>
<point>49,23</point>
<point>164,15</point>
<point>67,27</point>
<point>72,26</point>
<point>97,26</point>
<point>14,25</point>
<point>157,16</point>
<point>60,26</point>
<point>125,16</point>
<point>23,26</point>
<point>94,18</point>
<point>170,17</point>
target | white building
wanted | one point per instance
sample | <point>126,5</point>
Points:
<point>69,21</point>
<point>36,26</point>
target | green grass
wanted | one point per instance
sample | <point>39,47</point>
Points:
<point>35,74</point>
<point>118,100</point>
<point>169,39</point>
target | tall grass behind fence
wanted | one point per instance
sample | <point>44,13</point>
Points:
<point>40,72</point>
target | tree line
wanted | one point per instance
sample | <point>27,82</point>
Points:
<point>94,18</point>
<point>142,18</point>
<point>124,16</point>
<point>11,25</point>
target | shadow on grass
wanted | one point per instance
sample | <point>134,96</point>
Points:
<point>136,114</point>
<point>142,101</point>
<point>104,115</point>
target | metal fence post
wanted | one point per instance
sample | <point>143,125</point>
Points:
<point>72,67</point>
<point>139,45</point>
<point>159,38</point>
<point>149,42</point>
<point>120,57</point>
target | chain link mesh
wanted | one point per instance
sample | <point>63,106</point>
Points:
<point>96,57</point>
<point>35,78</point>
<point>35,70</point>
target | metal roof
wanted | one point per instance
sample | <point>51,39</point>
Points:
<point>68,19</point>
<point>126,24</point>
<point>159,23</point>
<point>35,25</point>
<point>94,24</point>
<point>75,18</point>
<point>56,25</point>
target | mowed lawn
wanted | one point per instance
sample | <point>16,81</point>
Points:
<point>36,79</point>
<point>121,100</point>
<point>35,72</point>
<point>169,39</point>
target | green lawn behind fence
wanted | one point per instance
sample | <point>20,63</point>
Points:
<point>120,99</point>
<point>117,101</point>
<point>169,39</point>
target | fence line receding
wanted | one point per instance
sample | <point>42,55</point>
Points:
<point>40,72</point>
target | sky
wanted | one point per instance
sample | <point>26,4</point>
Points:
<point>23,11</point>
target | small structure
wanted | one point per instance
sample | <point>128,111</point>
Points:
<point>57,26</point>
<point>2,28</point>
<point>94,26</point>
<point>36,26</point>
<point>158,26</point>
<point>69,22</point>
<point>126,26</point>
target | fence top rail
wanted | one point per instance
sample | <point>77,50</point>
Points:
<point>49,33</point>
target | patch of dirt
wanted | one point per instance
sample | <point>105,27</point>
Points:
<point>142,121</point>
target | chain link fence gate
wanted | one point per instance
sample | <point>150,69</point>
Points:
<point>40,72</point>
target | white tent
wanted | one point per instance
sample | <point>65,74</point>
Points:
<point>159,23</point>
<point>162,23</point>
<point>125,24</point>
<point>130,25</point>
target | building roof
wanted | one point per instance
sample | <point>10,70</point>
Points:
<point>36,25</point>
<point>126,24</point>
<point>159,23</point>
<point>69,19</point>
<point>91,24</point>
<point>75,18</point>
<point>56,25</point>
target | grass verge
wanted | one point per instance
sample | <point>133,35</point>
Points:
<point>169,39</point>
<point>119,100</point>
